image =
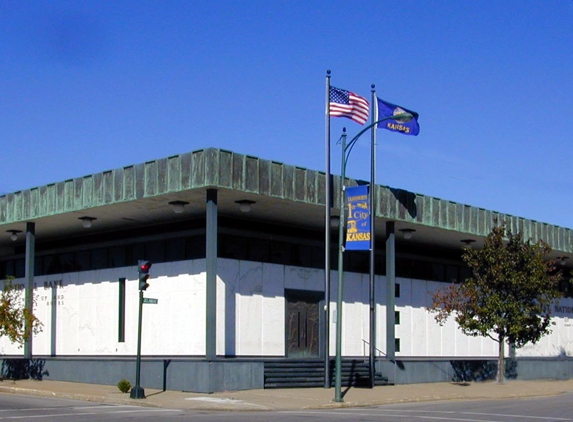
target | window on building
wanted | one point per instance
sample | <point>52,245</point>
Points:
<point>438,272</point>
<point>279,247</point>
<point>154,251</point>
<point>281,253</point>
<point>8,269</point>
<point>134,253</point>
<point>67,260</point>
<point>175,249</point>
<point>121,311</point>
<point>99,259</point>
<point>20,268</point>
<point>421,270</point>
<point>358,262</point>
<point>566,287</point>
<point>465,273</point>
<point>303,255</point>
<point>52,265</point>
<point>117,257</point>
<point>195,247</point>
<point>452,274</point>
<point>84,260</point>
<point>259,250</point>
<point>232,247</point>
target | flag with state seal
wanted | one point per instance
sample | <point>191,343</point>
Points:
<point>404,126</point>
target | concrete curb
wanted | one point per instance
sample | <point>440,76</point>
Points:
<point>288,399</point>
<point>74,396</point>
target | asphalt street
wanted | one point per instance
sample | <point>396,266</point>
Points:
<point>44,409</point>
<point>540,409</point>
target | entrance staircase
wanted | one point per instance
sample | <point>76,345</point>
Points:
<point>301,373</point>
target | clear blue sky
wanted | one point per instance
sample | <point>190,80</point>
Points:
<point>88,86</point>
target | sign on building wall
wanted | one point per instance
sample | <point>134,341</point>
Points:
<point>358,226</point>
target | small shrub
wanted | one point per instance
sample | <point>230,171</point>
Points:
<point>124,386</point>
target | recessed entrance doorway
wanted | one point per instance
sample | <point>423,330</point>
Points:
<point>303,323</point>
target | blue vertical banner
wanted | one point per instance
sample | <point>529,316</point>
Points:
<point>358,226</point>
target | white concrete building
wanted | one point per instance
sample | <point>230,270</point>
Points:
<point>242,293</point>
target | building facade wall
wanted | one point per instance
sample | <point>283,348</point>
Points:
<point>80,314</point>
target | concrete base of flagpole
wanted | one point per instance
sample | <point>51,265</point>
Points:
<point>137,393</point>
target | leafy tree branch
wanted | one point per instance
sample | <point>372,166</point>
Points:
<point>509,295</point>
<point>16,322</point>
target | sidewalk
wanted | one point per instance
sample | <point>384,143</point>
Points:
<point>289,399</point>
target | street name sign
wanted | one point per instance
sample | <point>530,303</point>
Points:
<point>150,300</point>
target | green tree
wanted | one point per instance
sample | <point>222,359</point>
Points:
<point>508,298</point>
<point>16,322</point>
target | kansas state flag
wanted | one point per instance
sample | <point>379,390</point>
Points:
<point>386,109</point>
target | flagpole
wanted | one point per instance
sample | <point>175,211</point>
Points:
<point>327,208</point>
<point>339,301</point>
<point>372,351</point>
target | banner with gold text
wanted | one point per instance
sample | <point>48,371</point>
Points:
<point>358,226</point>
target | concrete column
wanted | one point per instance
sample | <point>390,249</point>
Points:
<point>211,259</point>
<point>29,275</point>
<point>390,292</point>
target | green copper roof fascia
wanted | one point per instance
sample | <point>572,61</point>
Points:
<point>215,168</point>
<point>199,169</point>
<point>401,205</point>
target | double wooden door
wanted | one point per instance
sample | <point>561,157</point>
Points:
<point>302,324</point>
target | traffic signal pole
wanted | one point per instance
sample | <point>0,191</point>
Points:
<point>137,392</point>
<point>143,268</point>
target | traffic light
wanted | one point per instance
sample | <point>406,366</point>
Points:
<point>143,269</point>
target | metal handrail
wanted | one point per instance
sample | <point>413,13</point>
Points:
<point>382,353</point>
<point>375,348</point>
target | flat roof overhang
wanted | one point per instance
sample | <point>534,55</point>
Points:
<point>139,195</point>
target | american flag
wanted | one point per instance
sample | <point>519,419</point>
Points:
<point>347,104</point>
